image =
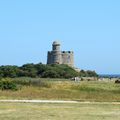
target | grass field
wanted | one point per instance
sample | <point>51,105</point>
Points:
<point>61,89</point>
<point>42,111</point>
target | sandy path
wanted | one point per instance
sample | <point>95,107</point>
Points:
<point>56,101</point>
<point>39,101</point>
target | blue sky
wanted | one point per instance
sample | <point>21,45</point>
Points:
<point>91,28</point>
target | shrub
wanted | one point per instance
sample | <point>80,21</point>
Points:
<point>43,71</point>
<point>88,73</point>
<point>6,84</point>
<point>50,74</point>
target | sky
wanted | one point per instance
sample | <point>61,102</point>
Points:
<point>90,28</point>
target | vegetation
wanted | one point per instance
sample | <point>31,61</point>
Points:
<point>43,71</point>
<point>7,84</point>
<point>63,89</point>
<point>87,73</point>
<point>40,111</point>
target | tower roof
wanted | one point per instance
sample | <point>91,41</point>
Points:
<point>56,43</point>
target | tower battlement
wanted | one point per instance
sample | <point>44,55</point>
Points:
<point>56,56</point>
<point>67,52</point>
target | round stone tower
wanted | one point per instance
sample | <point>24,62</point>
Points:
<point>56,59</point>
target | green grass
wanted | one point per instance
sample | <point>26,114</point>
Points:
<point>42,111</point>
<point>63,89</point>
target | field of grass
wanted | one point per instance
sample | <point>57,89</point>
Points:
<point>42,111</point>
<point>60,89</point>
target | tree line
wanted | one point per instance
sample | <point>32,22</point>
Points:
<point>43,71</point>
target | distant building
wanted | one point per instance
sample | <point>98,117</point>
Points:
<point>56,56</point>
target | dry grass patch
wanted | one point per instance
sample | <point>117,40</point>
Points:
<point>65,90</point>
<point>40,111</point>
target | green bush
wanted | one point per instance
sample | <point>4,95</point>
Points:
<point>43,71</point>
<point>6,84</point>
<point>88,73</point>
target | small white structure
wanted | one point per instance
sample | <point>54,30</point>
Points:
<point>76,79</point>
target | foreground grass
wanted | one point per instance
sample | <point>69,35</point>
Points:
<point>40,111</point>
<point>64,90</point>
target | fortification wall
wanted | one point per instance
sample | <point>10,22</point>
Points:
<point>56,57</point>
<point>67,58</point>
<point>60,57</point>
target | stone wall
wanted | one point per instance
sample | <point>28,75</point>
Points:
<point>67,58</point>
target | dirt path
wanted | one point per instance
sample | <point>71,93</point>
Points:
<point>56,101</point>
<point>39,101</point>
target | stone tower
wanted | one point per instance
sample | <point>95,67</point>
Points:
<point>56,56</point>
<point>56,53</point>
